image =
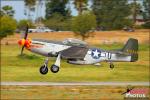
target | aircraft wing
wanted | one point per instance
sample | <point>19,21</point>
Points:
<point>75,52</point>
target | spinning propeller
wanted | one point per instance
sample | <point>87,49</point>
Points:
<point>25,42</point>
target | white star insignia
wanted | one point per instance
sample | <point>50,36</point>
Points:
<point>96,53</point>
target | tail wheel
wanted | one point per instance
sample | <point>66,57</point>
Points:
<point>44,69</point>
<point>111,66</point>
<point>54,68</point>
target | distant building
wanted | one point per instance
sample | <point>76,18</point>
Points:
<point>139,20</point>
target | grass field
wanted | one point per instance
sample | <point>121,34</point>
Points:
<point>26,68</point>
<point>67,92</point>
<point>99,37</point>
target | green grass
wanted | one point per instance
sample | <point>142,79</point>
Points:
<point>66,92</point>
<point>26,68</point>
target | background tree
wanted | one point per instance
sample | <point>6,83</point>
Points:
<point>146,13</point>
<point>39,7</point>
<point>57,6</point>
<point>7,10</point>
<point>8,26</point>
<point>1,13</point>
<point>57,22</point>
<point>135,10</point>
<point>57,15</point>
<point>30,4</point>
<point>21,25</point>
<point>111,14</point>
<point>80,5</point>
<point>83,24</point>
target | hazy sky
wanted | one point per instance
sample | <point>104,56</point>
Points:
<point>19,7</point>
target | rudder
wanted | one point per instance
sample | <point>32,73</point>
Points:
<point>131,47</point>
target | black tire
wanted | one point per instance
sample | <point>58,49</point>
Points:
<point>111,66</point>
<point>44,69</point>
<point>54,68</point>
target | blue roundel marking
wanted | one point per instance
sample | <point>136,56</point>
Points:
<point>96,53</point>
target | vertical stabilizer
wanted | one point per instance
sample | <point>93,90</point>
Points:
<point>131,47</point>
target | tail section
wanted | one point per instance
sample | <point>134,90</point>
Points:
<point>131,47</point>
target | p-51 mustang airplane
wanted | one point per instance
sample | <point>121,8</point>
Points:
<point>77,52</point>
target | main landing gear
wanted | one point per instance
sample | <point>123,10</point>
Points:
<point>111,65</point>
<point>44,69</point>
<point>54,68</point>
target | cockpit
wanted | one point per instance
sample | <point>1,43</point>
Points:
<point>74,42</point>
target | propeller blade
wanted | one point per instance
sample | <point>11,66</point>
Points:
<point>25,37</point>
<point>26,32</point>
<point>22,49</point>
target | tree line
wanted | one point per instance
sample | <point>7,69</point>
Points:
<point>106,14</point>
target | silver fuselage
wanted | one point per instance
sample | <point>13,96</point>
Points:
<point>51,49</point>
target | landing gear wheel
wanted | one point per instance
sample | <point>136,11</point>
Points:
<point>54,68</point>
<point>44,69</point>
<point>111,66</point>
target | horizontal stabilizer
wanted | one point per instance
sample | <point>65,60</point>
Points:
<point>130,49</point>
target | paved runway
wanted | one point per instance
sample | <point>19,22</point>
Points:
<point>75,83</point>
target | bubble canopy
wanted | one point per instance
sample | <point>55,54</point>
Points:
<point>74,42</point>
